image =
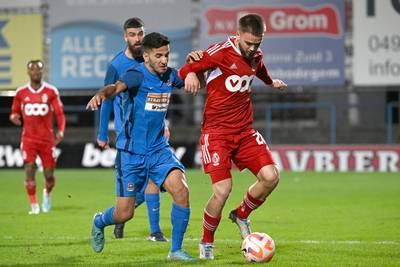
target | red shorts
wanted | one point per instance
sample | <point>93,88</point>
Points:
<point>46,152</point>
<point>247,150</point>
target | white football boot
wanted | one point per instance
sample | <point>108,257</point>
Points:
<point>35,209</point>
<point>206,251</point>
<point>46,201</point>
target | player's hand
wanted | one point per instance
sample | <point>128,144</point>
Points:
<point>167,133</point>
<point>192,83</point>
<point>96,101</point>
<point>59,137</point>
<point>278,84</point>
<point>102,144</point>
<point>15,118</point>
<point>194,56</point>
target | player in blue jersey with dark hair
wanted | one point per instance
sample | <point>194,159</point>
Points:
<point>146,154</point>
<point>130,57</point>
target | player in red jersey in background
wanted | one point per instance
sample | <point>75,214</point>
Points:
<point>227,128</point>
<point>36,102</point>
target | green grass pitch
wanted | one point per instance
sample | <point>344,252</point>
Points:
<point>316,219</point>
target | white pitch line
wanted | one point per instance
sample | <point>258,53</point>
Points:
<point>329,242</point>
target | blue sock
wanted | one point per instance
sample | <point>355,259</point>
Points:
<point>153,211</point>
<point>139,199</point>
<point>105,219</point>
<point>179,220</point>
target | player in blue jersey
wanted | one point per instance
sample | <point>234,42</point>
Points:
<point>146,154</point>
<point>130,57</point>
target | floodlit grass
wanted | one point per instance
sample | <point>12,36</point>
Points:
<point>316,219</point>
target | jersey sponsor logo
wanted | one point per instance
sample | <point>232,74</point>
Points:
<point>235,83</point>
<point>27,98</point>
<point>157,102</point>
<point>36,109</point>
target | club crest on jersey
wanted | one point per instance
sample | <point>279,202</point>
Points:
<point>44,98</point>
<point>169,83</point>
<point>157,102</point>
<point>130,187</point>
<point>215,159</point>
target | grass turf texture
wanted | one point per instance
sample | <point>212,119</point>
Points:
<point>316,219</point>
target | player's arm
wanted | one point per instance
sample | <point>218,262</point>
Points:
<point>167,132</point>
<point>15,115</point>
<point>264,75</point>
<point>189,71</point>
<point>105,114</point>
<point>107,92</point>
<point>60,117</point>
<point>194,56</point>
<point>106,109</point>
<point>130,80</point>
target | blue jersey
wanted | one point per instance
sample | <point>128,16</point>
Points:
<point>120,104</point>
<point>143,129</point>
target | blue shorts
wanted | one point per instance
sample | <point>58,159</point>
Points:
<point>134,170</point>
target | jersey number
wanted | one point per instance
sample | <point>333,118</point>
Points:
<point>259,139</point>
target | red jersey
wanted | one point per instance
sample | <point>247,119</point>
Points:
<point>228,107</point>
<point>37,108</point>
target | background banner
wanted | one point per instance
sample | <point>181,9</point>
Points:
<point>304,42</point>
<point>82,43</point>
<point>21,39</point>
<point>376,42</point>
<point>323,158</point>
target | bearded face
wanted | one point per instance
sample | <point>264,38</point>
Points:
<point>134,38</point>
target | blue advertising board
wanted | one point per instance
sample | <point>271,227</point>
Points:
<point>82,43</point>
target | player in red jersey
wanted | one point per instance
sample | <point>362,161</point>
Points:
<point>36,102</point>
<point>227,129</point>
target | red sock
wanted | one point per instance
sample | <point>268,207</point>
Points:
<point>248,204</point>
<point>30,187</point>
<point>210,224</point>
<point>50,184</point>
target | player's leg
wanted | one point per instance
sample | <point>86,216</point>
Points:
<point>216,151</point>
<point>30,186</point>
<point>130,180</point>
<point>29,154</point>
<point>152,197</point>
<point>121,213</point>
<point>176,185</point>
<point>222,186</point>
<point>119,227</point>
<point>167,174</point>
<point>254,154</point>
<point>47,155</point>
<point>49,184</point>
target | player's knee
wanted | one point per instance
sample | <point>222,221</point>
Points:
<point>270,176</point>
<point>125,215</point>
<point>152,188</point>
<point>181,196</point>
<point>222,193</point>
<point>30,171</point>
<point>48,174</point>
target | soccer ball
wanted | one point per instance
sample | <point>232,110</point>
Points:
<point>258,247</point>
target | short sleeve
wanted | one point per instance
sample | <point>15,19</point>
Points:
<point>132,78</point>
